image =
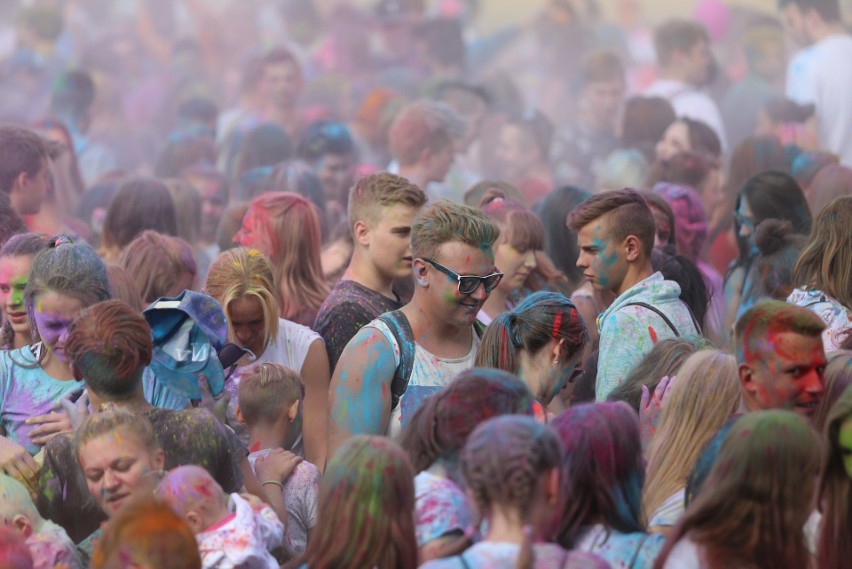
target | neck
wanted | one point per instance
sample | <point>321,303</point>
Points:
<point>136,404</point>
<point>505,525</point>
<point>826,30</point>
<point>263,437</point>
<point>55,368</point>
<point>365,274</point>
<point>429,329</point>
<point>21,340</point>
<point>415,175</point>
<point>635,275</point>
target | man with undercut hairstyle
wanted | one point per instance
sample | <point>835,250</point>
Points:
<point>402,357</point>
<point>616,237</point>
<point>781,358</point>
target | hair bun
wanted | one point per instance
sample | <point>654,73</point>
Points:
<point>770,235</point>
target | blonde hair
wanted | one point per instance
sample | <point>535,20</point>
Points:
<point>293,227</point>
<point>266,390</point>
<point>381,190</point>
<point>445,222</point>
<point>110,421</point>
<point>826,262</point>
<point>239,273</point>
<point>704,395</point>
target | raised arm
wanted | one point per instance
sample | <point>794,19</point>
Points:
<point>359,395</point>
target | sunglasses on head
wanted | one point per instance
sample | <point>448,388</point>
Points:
<point>468,284</point>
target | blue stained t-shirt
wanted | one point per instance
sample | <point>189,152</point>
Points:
<point>26,390</point>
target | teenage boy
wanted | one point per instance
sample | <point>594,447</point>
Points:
<point>401,358</point>
<point>616,236</point>
<point>24,168</point>
<point>382,208</point>
<point>781,358</point>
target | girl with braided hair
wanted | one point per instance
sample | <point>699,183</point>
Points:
<point>434,438</point>
<point>542,341</point>
<point>511,465</point>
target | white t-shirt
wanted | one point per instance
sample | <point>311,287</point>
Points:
<point>685,555</point>
<point>691,103</point>
<point>289,349</point>
<point>440,507</point>
<point>822,76</point>
<point>300,498</point>
<point>669,511</point>
<point>243,539</point>
<point>429,374</point>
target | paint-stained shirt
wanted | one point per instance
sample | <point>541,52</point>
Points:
<point>440,507</point>
<point>837,318</point>
<point>429,374</point>
<point>300,498</point>
<point>348,308</point>
<point>51,548</point>
<point>628,331</point>
<point>193,436</point>
<point>501,555</point>
<point>242,539</point>
<point>26,390</point>
<point>621,550</point>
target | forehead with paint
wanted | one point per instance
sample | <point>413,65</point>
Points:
<point>189,487</point>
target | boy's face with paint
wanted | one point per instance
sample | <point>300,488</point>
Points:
<point>52,315</point>
<point>445,300</point>
<point>601,258</point>
<point>389,242</point>
<point>845,444</point>
<point>784,370</point>
<point>14,271</point>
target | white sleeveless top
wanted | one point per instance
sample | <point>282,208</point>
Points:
<point>289,348</point>
<point>428,375</point>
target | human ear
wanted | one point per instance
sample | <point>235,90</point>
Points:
<point>239,415</point>
<point>552,486</point>
<point>632,248</point>
<point>193,519</point>
<point>361,233</point>
<point>293,411</point>
<point>421,273</point>
<point>23,525</point>
<point>556,348</point>
<point>747,383</point>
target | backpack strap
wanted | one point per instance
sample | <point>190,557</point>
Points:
<point>399,326</point>
<point>479,328</point>
<point>659,313</point>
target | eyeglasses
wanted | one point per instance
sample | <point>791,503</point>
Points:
<point>469,283</point>
<point>744,220</point>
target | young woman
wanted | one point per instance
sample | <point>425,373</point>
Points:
<point>366,509</point>
<point>705,394</point>
<point>769,195</point>
<point>542,341</point>
<point>161,265</point>
<point>16,258</point>
<point>835,487</point>
<point>516,253</point>
<point>823,272</point>
<point>603,476</point>
<point>754,504</point>
<point>434,438</point>
<point>512,468</point>
<point>139,204</point>
<point>243,283</point>
<point>64,279</point>
<point>286,228</point>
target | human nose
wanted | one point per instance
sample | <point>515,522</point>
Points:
<point>529,260</point>
<point>111,482</point>
<point>581,261</point>
<point>814,383</point>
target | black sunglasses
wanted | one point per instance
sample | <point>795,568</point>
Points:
<point>469,283</point>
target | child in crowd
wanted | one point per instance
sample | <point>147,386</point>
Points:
<point>48,543</point>
<point>512,468</point>
<point>269,399</point>
<point>232,531</point>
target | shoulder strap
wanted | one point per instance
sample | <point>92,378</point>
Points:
<point>638,551</point>
<point>658,313</point>
<point>479,328</point>
<point>399,326</point>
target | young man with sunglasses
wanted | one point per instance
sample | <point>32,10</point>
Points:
<point>371,391</point>
<point>616,233</point>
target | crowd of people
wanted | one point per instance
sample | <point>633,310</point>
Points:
<point>316,285</point>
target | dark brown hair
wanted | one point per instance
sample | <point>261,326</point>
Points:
<point>22,150</point>
<point>677,35</point>
<point>139,204</point>
<point>627,214</point>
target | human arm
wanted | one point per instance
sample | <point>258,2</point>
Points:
<point>359,394</point>
<point>316,376</point>
<point>651,410</point>
<point>18,463</point>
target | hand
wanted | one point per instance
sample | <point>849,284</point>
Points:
<point>651,409</point>
<point>50,425</point>
<point>17,463</point>
<point>216,405</point>
<point>255,502</point>
<point>278,465</point>
<point>77,410</point>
